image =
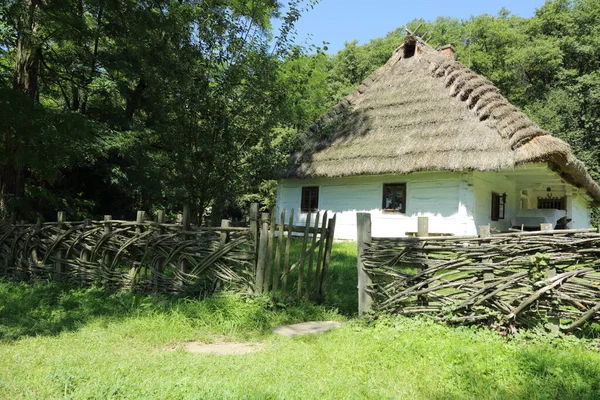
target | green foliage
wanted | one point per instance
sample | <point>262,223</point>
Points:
<point>147,105</point>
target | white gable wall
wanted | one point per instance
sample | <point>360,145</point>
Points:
<point>446,198</point>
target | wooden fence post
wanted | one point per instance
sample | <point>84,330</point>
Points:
<point>254,232</point>
<point>311,257</point>
<point>36,248</point>
<point>301,269</point>
<point>157,266</point>
<point>262,253</point>
<point>363,240</point>
<point>277,272</point>
<point>286,261</point>
<point>422,226</point>
<point>106,259</point>
<point>319,267</point>
<point>60,218</point>
<point>269,264</point>
<point>485,232</point>
<point>224,235</point>
<point>327,258</point>
<point>139,221</point>
<point>85,254</point>
<point>185,226</point>
<point>553,322</point>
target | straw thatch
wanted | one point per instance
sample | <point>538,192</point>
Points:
<point>426,112</point>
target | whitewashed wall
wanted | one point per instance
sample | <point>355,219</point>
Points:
<point>484,183</point>
<point>578,210</point>
<point>455,203</point>
<point>443,197</point>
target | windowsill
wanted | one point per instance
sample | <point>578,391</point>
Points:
<point>393,211</point>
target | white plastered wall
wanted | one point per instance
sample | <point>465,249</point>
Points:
<point>484,183</point>
<point>446,198</point>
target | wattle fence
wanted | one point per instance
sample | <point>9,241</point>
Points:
<point>506,281</point>
<point>156,256</point>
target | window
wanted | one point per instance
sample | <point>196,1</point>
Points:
<point>394,197</point>
<point>310,199</point>
<point>552,203</point>
<point>498,206</point>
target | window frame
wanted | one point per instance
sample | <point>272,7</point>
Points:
<point>306,191</point>
<point>383,198</point>
<point>498,211</point>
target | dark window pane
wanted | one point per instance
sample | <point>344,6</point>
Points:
<point>310,199</point>
<point>394,195</point>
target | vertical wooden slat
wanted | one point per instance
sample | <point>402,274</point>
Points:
<point>286,261</point>
<point>106,258</point>
<point>277,273</point>
<point>311,257</point>
<point>262,253</point>
<point>185,226</point>
<point>269,265</point>
<point>253,215</point>
<point>318,269</point>
<point>85,255</point>
<point>157,266</point>
<point>36,248</point>
<point>327,258</point>
<point>60,218</point>
<point>363,240</point>
<point>302,258</point>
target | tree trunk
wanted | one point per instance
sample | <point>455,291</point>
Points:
<point>12,188</point>
<point>29,52</point>
<point>25,80</point>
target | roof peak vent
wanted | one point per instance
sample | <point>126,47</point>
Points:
<point>409,47</point>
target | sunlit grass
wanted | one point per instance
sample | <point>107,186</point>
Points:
<point>58,342</point>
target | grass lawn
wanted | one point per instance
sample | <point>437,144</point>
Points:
<point>56,342</point>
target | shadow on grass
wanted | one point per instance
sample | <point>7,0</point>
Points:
<point>47,309</point>
<point>50,308</point>
<point>537,373</point>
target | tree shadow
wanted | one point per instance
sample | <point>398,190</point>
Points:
<point>50,308</point>
<point>536,372</point>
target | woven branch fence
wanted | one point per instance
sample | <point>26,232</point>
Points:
<point>506,281</point>
<point>150,256</point>
<point>171,257</point>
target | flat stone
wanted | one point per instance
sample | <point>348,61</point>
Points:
<point>306,328</point>
<point>219,347</point>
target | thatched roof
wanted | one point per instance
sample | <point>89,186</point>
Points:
<point>426,112</point>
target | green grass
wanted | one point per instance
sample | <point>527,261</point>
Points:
<point>57,342</point>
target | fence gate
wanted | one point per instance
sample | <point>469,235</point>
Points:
<point>292,260</point>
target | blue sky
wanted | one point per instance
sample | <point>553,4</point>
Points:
<point>337,21</point>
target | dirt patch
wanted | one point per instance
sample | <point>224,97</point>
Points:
<point>219,347</point>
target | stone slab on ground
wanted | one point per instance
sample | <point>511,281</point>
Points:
<point>306,328</point>
<point>219,347</point>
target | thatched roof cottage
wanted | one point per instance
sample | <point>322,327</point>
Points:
<point>426,136</point>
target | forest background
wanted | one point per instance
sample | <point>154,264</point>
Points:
<point>113,106</point>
